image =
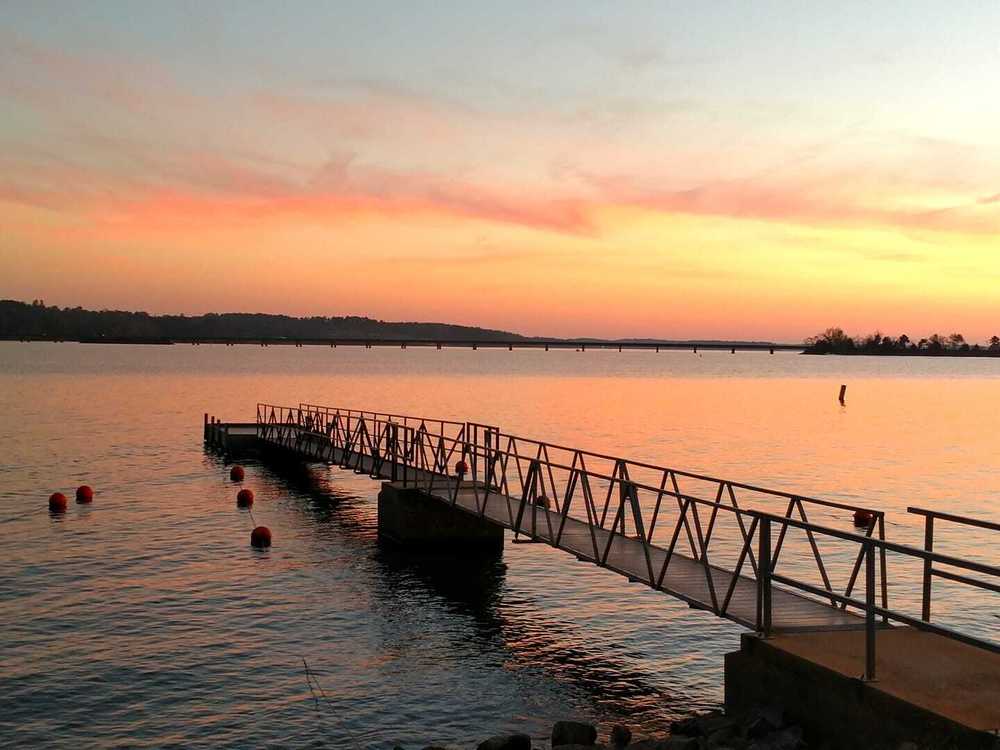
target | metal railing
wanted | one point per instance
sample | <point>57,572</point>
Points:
<point>930,571</point>
<point>546,486</point>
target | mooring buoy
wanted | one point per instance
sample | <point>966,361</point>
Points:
<point>57,502</point>
<point>260,537</point>
<point>863,517</point>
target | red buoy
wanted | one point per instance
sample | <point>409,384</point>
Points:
<point>863,518</point>
<point>84,494</point>
<point>542,502</point>
<point>244,498</point>
<point>260,537</point>
<point>236,473</point>
<point>57,502</point>
<point>461,467</point>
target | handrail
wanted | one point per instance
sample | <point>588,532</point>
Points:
<point>704,477</point>
<point>888,546</point>
<point>966,520</point>
<point>929,571</point>
<point>330,409</point>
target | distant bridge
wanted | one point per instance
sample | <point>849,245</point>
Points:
<point>369,342</point>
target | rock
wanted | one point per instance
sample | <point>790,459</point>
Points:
<point>688,727</point>
<point>506,742</point>
<point>702,725</point>
<point>573,733</point>
<point>789,738</point>
<point>725,736</point>
<point>765,719</point>
<point>620,736</point>
<point>650,745</point>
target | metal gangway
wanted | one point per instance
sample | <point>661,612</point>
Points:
<point>710,542</point>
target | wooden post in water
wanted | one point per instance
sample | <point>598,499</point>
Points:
<point>843,394</point>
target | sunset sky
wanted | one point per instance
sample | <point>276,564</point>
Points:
<point>668,169</point>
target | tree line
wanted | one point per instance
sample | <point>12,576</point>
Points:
<point>835,341</point>
<point>21,320</point>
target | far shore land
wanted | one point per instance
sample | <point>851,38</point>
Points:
<point>24,322</point>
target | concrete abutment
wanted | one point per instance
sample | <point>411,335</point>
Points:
<point>411,518</point>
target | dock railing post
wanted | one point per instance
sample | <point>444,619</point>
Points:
<point>407,449</point>
<point>869,611</point>
<point>929,547</point>
<point>764,577</point>
<point>394,448</point>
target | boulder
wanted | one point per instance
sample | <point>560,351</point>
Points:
<point>650,745</point>
<point>620,736</point>
<point>723,737</point>
<point>789,738</point>
<point>573,733</point>
<point>764,720</point>
<point>702,725</point>
<point>671,743</point>
<point>688,727</point>
<point>506,742</point>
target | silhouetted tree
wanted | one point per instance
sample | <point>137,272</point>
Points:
<point>831,341</point>
<point>936,342</point>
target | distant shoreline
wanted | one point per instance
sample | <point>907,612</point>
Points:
<point>398,342</point>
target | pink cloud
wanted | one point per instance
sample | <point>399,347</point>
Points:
<point>148,181</point>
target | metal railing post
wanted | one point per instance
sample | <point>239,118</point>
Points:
<point>764,577</point>
<point>394,448</point>
<point>929,546</point>
<point>869,611</point>
<point>407,448</point>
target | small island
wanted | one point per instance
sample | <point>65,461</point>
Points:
<point>835,341</point>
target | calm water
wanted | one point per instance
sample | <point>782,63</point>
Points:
<point>147,621</point>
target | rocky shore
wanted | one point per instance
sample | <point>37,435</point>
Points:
<point>761,729</point>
